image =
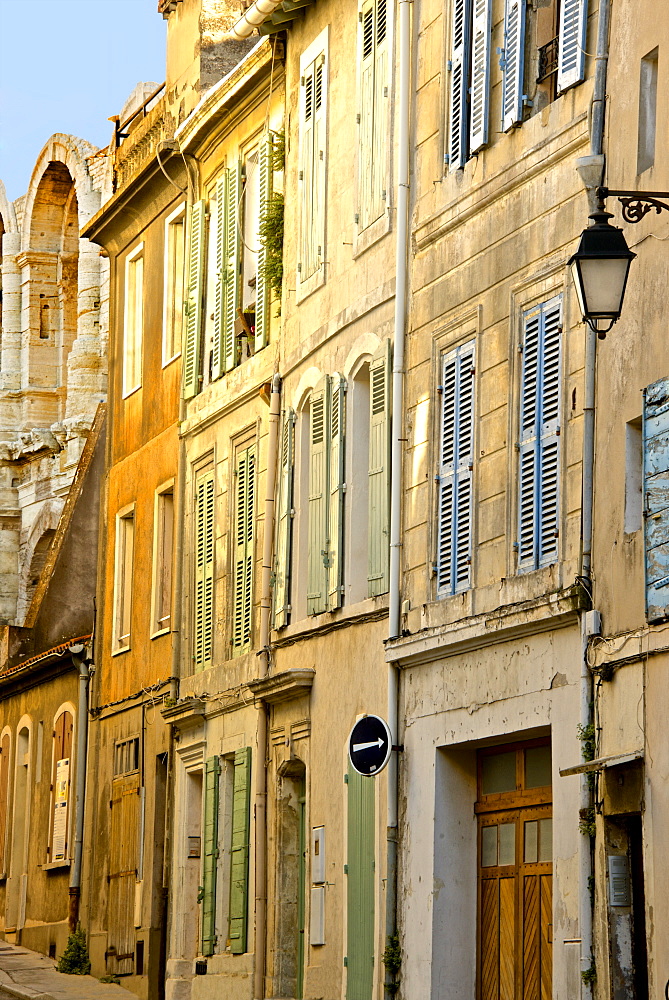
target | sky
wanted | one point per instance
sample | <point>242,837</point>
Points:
<point>67,66</point>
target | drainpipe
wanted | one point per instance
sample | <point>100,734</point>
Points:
<point>254,17</point>
<point>591,169</point>
<point>79,785</point>
<point>260,811</point>
<point>401,301</point>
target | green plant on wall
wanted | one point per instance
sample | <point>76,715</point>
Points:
<point>392,959</point>
<point>270,233</point>
<point>590,975</point>
<point>586,735</point>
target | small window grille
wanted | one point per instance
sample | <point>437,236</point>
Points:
<point>126,756</point>
<point>548,59</point>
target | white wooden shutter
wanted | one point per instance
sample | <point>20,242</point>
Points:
<point>245,475</point>
<point>513,63</point>
<point>379,471</point>
<point>459,65</point>
<point>320,143</point>
<point>221,263</point>
<point>454,535</point>
<point>204,568</point>
<point>480,75</point>
<point>193,318</point>
<point>366,114</point>
<point>539,478</point>
<point>262,285</point>
<point>571,43</point>
<point>335,530</point>
<point>232,265</point>
<point>306,263</point>
<point>318,497</point>
<point>284,524</point>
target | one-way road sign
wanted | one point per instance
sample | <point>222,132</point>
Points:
<point>369,745</point>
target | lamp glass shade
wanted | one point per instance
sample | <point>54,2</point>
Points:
<point>600,285</point>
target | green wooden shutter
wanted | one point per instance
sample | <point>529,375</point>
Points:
<point>360,887</point>
<point>210,855</point>
<point>232,265</point>
<point>239,861</point>
<point>244,534</point>
<point>193,308</point>
<point>379,471</point>
<point>204,568</point>
<point>318,496</point>
<point>306,176</point>
<point>335,528</point>
<point>320,143</point>
<point>366,115</point>
<point>380,130</point>
<point>221,234</point>
<point>284,524</point>
<point>262,285</point>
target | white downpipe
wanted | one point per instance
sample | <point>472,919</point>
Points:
<point>254,17</point>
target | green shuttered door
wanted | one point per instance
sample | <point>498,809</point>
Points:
<point>360,887</point>
<point>239,864</point>
<point>210,855</point>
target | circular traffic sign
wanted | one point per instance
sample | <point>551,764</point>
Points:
<point>369,745</point>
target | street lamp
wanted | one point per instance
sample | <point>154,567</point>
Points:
<point>599,268</point>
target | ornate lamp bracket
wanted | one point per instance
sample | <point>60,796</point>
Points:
<point>636,204</point>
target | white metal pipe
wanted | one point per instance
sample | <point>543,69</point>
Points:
<point>254,17</point>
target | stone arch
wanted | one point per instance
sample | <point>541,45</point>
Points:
<point>71,153</point>
<point>34,553</point>
<point>364,349</point>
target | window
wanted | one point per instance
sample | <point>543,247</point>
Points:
<point>556,32</point>
<point>244,535</point>
<point>633,476</point>
<point>163,540</point>
<point>515,853</point>
<point>539,445</point>
<point>312,172</point>
<point>126,757</point>
<point>133,320</point>
<point>647,112</point>
<point>655,500</point>
<point>456,458</point>
<point>373,113</point>
<point>58,846</point>
<point>173,308</point>
<point>205,513</point>
<point>125,540</point>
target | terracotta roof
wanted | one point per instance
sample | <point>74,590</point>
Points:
<point>59,650</point>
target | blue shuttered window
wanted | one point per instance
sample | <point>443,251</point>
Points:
<point>571,43</point>
<point>459,82</point>
<point>480,75</point>
<point>539,444</point>
<point>454,535</point>
<point>513,63</point>
<point>656,498</point>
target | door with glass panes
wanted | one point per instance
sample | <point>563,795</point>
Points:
<point>515,850</point>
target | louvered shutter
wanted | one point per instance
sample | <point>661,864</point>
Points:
<point>307,179</point>
<point>480,75</point>
<point>366,114</point>
<point>5,748</point>
<point>210,854</point>
<point>459,83</point>
<point>335,531</point>
<point>320,141</point>
<point>262,285</point>
<point>656,497</point>
<point>318,496</point>
<point>513,63</point>
<point>193,319</point>
<point>379,471</point>
<point>243,568</point>
<point>221,264</point>
<point>539,452</point>
<point>571,43</point>
<point>284,524</point>
<point>454,530</point>
<point>204,569</point>
<point>380,133</point>
<point>232,266</point>
<point>239,860</point>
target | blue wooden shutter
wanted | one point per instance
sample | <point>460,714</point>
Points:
<point>379,471</point>
<point>318,499</point>
<point>217,365</point>
<point>210,855</point>
<point>245,474</point>
<point>262,285</point>
<point>232,265</point>
<point>480,75</point>
<point>539,478</point>
<point>656,497</point>
<point>454,532</point>
<point>571,43</point>
<point>193,308</point>
<point>284,524</point>
<point>335,528</point>
<point>204,568</point>
<point>513,63</point>
<point>239,860</point>
<point>459,83</point>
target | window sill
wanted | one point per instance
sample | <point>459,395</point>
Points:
<point>168,361</point>
<point>120,649</point>
<point>365,238</point>
<point>130,392</point>
<point>371,608</point>
<point>51,866</point>
<point>161,631</point>
<point>310,284</point>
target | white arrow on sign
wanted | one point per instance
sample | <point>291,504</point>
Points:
<point>366,746</point>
